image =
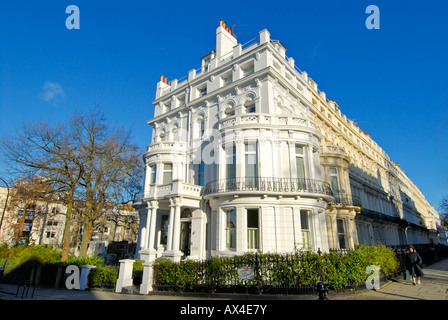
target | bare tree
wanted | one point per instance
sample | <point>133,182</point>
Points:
<point>108,159</point>
<point>87,160</point>
<point>46,151</point>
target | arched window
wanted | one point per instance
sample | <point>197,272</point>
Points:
<point>163,136</point>
<point>230,111</point>
<point>249,103</point>
<point>186,214</point>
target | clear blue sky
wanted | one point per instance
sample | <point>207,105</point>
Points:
<point>391,81</point>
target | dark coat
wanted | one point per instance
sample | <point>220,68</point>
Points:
<point>414,264</point>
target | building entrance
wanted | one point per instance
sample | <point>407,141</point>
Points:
<point>185,232</point>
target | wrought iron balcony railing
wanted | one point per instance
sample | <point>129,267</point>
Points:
<point>268,184</point>
<point>346,200</point>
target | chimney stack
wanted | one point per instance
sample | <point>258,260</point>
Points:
<point>225,40</point>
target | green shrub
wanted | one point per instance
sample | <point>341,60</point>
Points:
<point>137,272</point>
<point>81,261</point>
<point>19,262</point>
<point>103,277</point>
<point>302,268</point>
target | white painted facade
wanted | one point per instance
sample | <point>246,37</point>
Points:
<point>243,158</point>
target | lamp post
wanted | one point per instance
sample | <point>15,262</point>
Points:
<point>6,202</point>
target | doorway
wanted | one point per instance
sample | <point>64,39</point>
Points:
<point>185,232</point>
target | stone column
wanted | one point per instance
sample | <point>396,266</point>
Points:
<point>331,228</point>
<point>153,205</point>
<point>125,274</point>
<point>198,223</point>
<point>143,229</point>
<point>148,232</point>
<point>147,280</point>
<point>169,244</point>
<point>174,230</point>
<point>176,226</point>
<point>84,278</point>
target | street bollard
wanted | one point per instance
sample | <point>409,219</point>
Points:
<point>322,289</point>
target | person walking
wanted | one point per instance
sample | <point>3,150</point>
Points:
<point>414,265</point>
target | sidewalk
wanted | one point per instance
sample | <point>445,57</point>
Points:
<point>434,286</point>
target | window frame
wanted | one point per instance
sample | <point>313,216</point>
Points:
<point>247,69</point>
<point>165,171</point>
<point>332,176</point>
<point>305,228</point>
<point>303,159</point>
<point>253,241</point>
<point>341,234</point>
<point>230,231</point>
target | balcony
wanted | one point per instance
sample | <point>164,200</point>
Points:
<point>345,200</point>
<point>267,185</point>
<point>265,120</point>
<point>177,188</point>
<point>166,147</point>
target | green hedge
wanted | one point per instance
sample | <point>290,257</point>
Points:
<point>103,277</point>
<point>302,268</point>
<point>20,261</point>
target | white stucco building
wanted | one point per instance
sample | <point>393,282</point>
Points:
<point>248,155</point>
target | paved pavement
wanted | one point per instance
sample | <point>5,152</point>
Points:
<point>434,286</point>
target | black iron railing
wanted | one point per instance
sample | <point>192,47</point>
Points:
<point>269,184</point>
<point>346,200</point>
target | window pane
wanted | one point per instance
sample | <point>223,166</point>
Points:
<point>299,150</point>
<point>340,224</point>
<point>306,239</point>
<point>342,241</point>
<point>201,174</point>
<point>248,70</point>
<point>202,126</point>
<point>231,160</point>
<point>251,147</point>
<point>251,165</point>
<point>153,174</point>
<point>300,165</point>
<point>227,80</point>
<point>304,220</point>
<point>231,219</point>
<point>167,173</point>
<point>252,229</point>
<point>164,229</point>
<point>252,239</point>
<point>250,161</point>
<point>231,229</point>
<point>250,108</point>
<point>334,184</point>
<point>252,218</point>
<point>341,233</point>
<point>230,239</point>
